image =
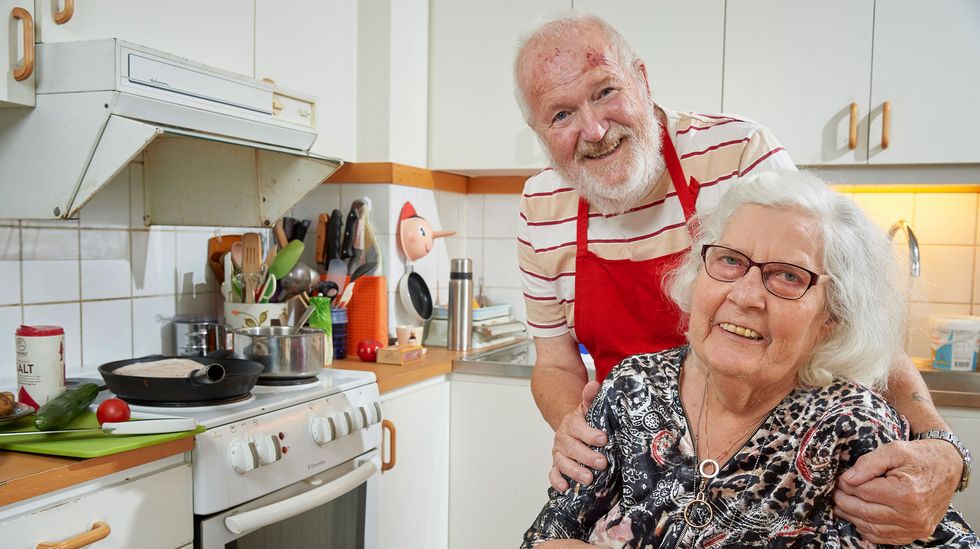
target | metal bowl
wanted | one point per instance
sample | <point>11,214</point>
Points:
<point>282,353</point>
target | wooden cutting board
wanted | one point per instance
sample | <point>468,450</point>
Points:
<point>82,445</point>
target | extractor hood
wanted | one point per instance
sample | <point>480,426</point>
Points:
<point>217,148</point>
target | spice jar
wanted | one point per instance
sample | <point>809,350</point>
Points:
<point>40,363</point>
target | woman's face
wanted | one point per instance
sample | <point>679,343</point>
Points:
<point>778,334</point>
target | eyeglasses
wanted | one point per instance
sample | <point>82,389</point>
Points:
<point>783,280</point>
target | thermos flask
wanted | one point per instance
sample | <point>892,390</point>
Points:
<point>460,336</point>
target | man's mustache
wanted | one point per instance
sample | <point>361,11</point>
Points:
<point>595,148</point>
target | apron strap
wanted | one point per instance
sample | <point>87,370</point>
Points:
<point>582,228</point>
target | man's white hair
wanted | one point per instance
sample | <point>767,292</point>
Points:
<point>865,295</point>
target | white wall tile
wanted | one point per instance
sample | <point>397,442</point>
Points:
<point>501,270</point>
<point>450,206</point>
<point>66,315</point>
<point>105,264</point>
<point>194,275</point>
<point>887,208</point>
<point>501,213</point>
<point>110,206</point>
<point>10,318</point>
<point>945,218</point>
<point>49,244</point>
<point>50,266</point>
<point>107,332</point>
<point>154,262</point>
<point>136,195</point>
<point>205,304</point>
<point>152,333</point>
<point>473,249</point>
<point>947,273</point>
<point>513,297</point>
<point>10,265</point>
<point>474,216</point>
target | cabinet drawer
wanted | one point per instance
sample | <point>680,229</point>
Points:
<point>152,512</point>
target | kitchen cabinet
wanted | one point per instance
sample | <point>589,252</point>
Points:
<point>314,53</point>
<point>17,54</point>
<point>965,422</point>
<point>500,455</point>
<point>801,80</point>
<point>149,506</point>
<point>414,494</point>
<point>218,33</point>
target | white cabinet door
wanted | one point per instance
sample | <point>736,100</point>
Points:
<point>682,44</point>
<point>474,120</point>
<point>500,455</point>
<point>14,46</point>
<point>965,422</point>
<point>796,67</point>
<point>415,493</point>
<point>219,33</point>
<point>310,46</point>
<point>927,66</point>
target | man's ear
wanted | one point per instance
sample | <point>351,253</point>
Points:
<point>641,67</point>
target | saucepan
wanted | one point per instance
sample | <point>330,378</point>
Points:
<point>220,378</point>
<point>283,351</point>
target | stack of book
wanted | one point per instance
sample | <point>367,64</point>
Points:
<point>492,326</point>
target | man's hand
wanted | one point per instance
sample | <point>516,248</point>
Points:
<point>572,440</point>
<point>899,492</point>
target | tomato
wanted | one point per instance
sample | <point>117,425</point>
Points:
<point>112,410</point>
<point>367,350</point>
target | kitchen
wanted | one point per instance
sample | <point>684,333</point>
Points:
<point>395,87</point>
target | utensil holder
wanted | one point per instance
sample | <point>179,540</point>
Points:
<point>368,312</point>
<point>251,315</point>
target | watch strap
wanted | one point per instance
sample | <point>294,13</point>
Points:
<point>955,441</point>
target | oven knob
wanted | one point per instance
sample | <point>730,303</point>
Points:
<point>324,429</point>
<point>367,414</point>
<point>355,418</point>
<point>376,415</point>
<point>268,448</point>
<point>243,456</point>
<point>344,423</point>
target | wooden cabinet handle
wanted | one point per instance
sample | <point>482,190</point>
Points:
<point>387,425</point>
<point>66,12</point>
<point>100,530</point>
<point>886,123</point>
<point>25,71</point>
<point>852,139</point>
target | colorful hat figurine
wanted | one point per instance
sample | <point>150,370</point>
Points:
<point>415,233</point>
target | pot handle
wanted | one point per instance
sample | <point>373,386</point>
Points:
<point>207,375</point>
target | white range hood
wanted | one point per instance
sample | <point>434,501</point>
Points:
<point>218,149</point>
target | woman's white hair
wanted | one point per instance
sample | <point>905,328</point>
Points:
<point>865,287</point>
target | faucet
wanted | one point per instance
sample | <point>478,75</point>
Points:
<point>915,268</point>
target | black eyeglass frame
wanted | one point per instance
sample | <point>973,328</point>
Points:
<point>814,277</point>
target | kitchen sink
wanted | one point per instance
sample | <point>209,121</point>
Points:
<point>953,388</point>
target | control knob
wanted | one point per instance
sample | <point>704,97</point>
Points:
<point>243,456</point>
<point>268,448</point>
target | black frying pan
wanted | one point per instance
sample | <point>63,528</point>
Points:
<point>232,378</point>
<point>419,301</point>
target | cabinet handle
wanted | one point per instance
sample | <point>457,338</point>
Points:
<point>852,139</point>
<point>25,71</point>
<point>65,14</point>
<point>100,530</point>
<point>387,425</point>
<point>886,123</point>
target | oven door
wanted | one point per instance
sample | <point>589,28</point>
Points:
<point>335,509</point>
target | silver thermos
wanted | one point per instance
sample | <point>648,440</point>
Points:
<point>460,336</point>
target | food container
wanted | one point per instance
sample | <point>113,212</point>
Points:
<point>283,354</point>
<point>40,363</point>
<point>198,336</point>
<point>954,342</point>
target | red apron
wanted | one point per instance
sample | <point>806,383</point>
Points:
<point>620,307</point>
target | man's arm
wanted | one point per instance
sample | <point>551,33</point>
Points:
<point>558,383</point>
<point>899,492</point>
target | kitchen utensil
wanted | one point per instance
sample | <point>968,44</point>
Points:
<point>300,230</point>
<point>282,353</point>
<point>320,252</point>
<point>218,246</point>
<point>20,410</point>
<point>334,234</point>
<point>286,259</point>
<point>251,264</point>
<point>289,227</point>
<point>414,296</point>
<point>302,320</point>
<point>371,248</point>
<point>328,289</point>
<point>239,378</point>
<point>482,300</point>
<point>279,231</point>
<point>135,427</point>
<point>269,289</point>
<point>346,250</point>
<point>236,254</point>
<point>337,273</point>
<point>364,269</point>
<point>301,278</point>
<point>345,297</point>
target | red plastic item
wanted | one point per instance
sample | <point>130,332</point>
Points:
<point>39,331</point>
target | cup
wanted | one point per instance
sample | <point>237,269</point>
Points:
<point>252,315</point>
<point>408,335</point>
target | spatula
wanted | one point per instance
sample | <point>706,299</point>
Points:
<point>251,264</point>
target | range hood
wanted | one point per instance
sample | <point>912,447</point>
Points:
<point>217,148</point>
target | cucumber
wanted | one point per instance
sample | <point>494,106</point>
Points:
<point>60,410</point>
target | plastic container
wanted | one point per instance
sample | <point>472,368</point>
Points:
<point>40,363</point>
<point>954,342</point>
<point>339,321</point>
<point>322,318</point>
<point>367,312</point>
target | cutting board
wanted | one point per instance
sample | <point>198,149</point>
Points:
<point>82,445</point>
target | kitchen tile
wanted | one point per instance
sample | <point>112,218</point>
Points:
<point>9,244</point>
<point>501,270</point>
<point>107,332</point>
<point>50,223</point>
<point>887,208</point>
<point>919,341</point>
<point>105,264</point>
<point>50,266</point>
<point>945,218</point>
<point>10,318</point>
<point>474,216</point>
<point>382,219</point>
<point>204,304</point>
<point>394,262</point>
<point>947,273</point>
<point>10,266</point>
<point>449,206</point>
<point>66,315</point>
<point>38,243</point>
<point>110,206</point>
<point>501,211</point>
<point>153,262</point>
<point>152,332</point>
<point>194,275</point>
<point>512,297</point>
<point>441,296</point>
<point>473,249</point>
<point>136,194</point>
<point>323,199</point>
<point>9,223</point>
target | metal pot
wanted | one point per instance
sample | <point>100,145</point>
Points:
<point>282,353</point>
<point>198,336</point>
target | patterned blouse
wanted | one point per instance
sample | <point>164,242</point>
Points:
<point>774,492</point>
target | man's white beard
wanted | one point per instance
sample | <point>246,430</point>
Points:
<point>645,165</point>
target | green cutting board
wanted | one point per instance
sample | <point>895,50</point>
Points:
<point>82,445</point>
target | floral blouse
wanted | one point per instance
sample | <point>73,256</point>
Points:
<point>774,492</point>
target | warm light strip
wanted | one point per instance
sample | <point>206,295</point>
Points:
<point>909,188</point>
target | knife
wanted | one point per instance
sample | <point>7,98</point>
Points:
<point>347,250</point>
<point>300,229</point>
<point>334,233</point>
<point>138,427</point>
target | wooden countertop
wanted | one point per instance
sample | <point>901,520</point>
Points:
<point>437,361</point>
<point>24,476</point>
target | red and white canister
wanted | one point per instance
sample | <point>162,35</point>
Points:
<point>40,363</point>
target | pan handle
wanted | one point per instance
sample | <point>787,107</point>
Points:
<point>207,374</point>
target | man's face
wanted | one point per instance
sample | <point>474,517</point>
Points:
<point>596,119</point>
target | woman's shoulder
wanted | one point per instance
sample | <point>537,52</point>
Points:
<point>662,365</point>
<point>847,402</point>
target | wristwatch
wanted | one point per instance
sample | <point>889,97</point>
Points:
<point>955,441</point>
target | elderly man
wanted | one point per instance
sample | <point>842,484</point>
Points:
<point>601,227</point>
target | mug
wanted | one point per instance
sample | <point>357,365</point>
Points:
<point>409,335</point>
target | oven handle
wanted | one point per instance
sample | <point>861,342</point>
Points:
<point>282,510</point>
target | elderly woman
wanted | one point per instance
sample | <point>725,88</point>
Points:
<point>791,298</point>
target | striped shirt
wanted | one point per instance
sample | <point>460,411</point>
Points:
<point>713,149</point>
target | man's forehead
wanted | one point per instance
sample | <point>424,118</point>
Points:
<point>555,65</point>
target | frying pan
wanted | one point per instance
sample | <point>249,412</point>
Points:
<point>239,376</point>
<point>415,297</point>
